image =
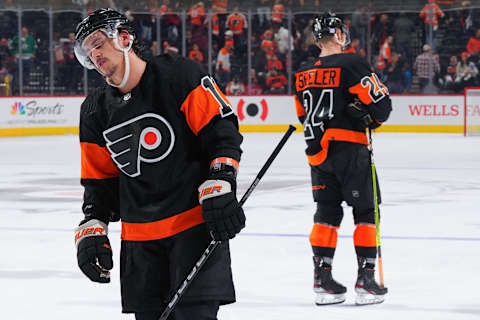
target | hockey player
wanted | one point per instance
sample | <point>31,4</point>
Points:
<point>159,150</point>
<point>337,98</point>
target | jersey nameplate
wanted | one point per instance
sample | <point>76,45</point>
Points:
<point>318,77</point>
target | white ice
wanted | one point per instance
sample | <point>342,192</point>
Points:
<point>430,233</point>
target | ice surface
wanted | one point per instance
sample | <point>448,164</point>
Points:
<point>430,233</point>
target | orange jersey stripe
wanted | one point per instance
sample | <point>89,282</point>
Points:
<point>225,160</point>
<point>96,162</point>
<point>318,77</point>
<point>323,235</point>
<point>336,135</point>
<point>200,107</point>
<point>164,228</point>
<point>365,235</point>
<point>299,107</point>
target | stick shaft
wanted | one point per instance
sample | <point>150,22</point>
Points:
<point>214,244</point>
<point>377,213</point>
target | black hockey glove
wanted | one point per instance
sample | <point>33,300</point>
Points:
<point>222,213</point>
<point>94,253</point>
<point>358,111</point>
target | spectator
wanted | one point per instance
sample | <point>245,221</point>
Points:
<point>5,81</point>
<point>403,28</point>
<point>276,83</point>
<point>408,76</point>
<point>426,67</point>
<point>268,46</point>
<point>278,10</point>
<point>384,58</point>
<point>381,31</point>
<point>273,62</point>
<point>430,14</point>
<point>395,76</point>
<point>215,25</point>
<point>6,57</point>
<point>473,45</point>
<point>236,22</point>
<point>263,12</point>
<point>168,48</point>
<point>197,15</point>
<point>223,67</point>
<point>360,20</point>
<point>73,68</point>
<point>171,23</point>
<point>447,79</point>
<point>235,87</point>
<point>195,54</point>
<point>353,46</point>
<point>29,49</point>
<point>283,39</point>
<point>466,73</point>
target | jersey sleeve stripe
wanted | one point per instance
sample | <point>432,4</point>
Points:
<point>225,160</point>
<point>365,235</point>
<point>336,135</point>
<point>163,228</point>
<point>96,162</point>
<point>362,93</point>
<point>323,235</point>
<point>299,107</point>
<point>200,107</point>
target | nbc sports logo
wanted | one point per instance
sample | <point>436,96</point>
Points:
<point>17,108</point>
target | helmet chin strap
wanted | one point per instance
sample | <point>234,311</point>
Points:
<point>342,43</point>
<point>125,50</point>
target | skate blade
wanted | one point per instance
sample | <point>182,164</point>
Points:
<point>368,298</point>
<point>325,298</point>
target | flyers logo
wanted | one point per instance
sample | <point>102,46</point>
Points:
<point>147,138</point>
<point>252,109</point>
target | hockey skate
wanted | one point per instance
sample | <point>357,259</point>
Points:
<point>367,289</point>
<point>327,290</point>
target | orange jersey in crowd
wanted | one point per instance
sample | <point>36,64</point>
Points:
<point>220,6</point>
<point>196,15</point>
<point>431,9</point>
<point>384,56</point>
<point>274,64</point>
<point>215,25</point>
<point>268,46</point>
<point>236,22</point>
<point>276,82</point>
<point>473,45</point>
<point>277,13</point>
<point>196,55</point>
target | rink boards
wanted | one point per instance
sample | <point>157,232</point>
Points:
<point>23,116</point>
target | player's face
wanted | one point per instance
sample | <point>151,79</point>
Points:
<point>103,53</point>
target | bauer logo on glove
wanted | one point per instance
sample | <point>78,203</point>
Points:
<point>213,188</point>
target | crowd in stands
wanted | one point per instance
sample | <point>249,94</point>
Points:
<point>435,50</point>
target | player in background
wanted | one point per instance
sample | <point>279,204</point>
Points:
<point>337,98</point>
<point>159,150</point>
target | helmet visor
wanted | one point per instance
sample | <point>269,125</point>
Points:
<point>83,48</point>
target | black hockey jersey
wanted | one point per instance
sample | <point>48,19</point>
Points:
<point>323,90</point>
<point>145,153</point>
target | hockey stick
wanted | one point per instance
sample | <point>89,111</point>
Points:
<point>377,215</point>
<point>214,244</point>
